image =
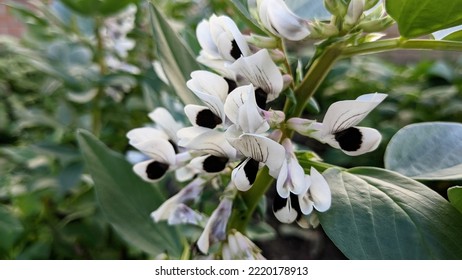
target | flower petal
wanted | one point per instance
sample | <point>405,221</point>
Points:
<point>230,42</point>
<point>261,71</point>
<point>212,142</point>
<point>182,214</point>
<point>259,148</point>
<point>244,175</point>
<point>158,149</point>
<point>283,210</point>
<point>209,163</point>
<point>355,141</point>
<point>202,116</point>
<point>204,37</point>
<point>164,119</point>
<point>344,114</point>
<point>320,191</point>
<point>151,170</point>
<point>187,134</point>
<point>281,21</point>
<point>281,184</point>
<point>142,134</point>
<point>215,229</point>
<point>211,89</point>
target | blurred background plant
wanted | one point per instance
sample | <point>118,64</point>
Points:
<point>80,66</point>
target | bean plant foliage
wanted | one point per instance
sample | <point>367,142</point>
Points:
<point>189,152</point>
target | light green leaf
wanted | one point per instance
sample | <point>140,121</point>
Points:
<point>126,200</point>
<point>421,17</point>
<point>427,151</point>
<point>10,228</point>
<point>455,197</point>
<point>240,6</point>
<point>176,58</point>
<point>455,36</point>
<point>378,214</point>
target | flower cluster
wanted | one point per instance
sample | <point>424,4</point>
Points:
<point>235,132</point>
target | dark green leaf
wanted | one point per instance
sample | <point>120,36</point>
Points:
<point>126,200</point>
<point>427,151</point>
<point>176,58</point>
<point>455,197</point>
<point>421,17</point>
<point>99,7</point>
<point>378,214</point>
<point>10,228</point>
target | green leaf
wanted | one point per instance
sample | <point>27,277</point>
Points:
<point>378,214</point>
<point>10,228</point>
<point>99,7</point>
<point>421,17</point>
<point>176,58</point>
<point>427,151</point>
<point>240,6</point>
<point>455,197</point>
<point>126,200</point>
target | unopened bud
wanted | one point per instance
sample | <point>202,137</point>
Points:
<point>287,80</point>
<point>376,25</point>
<point>355,11</point>
<point>336,7</point>
<point>321,30</point>
<point>277,55</point>
<point>274,117</point>
<point>262,41</point>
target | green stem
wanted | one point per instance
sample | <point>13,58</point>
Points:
<point>100,59</point>
<point>401,44</point>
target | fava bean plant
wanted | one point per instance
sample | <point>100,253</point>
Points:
<point>202,167</point>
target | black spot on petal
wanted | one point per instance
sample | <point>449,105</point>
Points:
<point>236,52</point>
<point>207,118</point>
<point>232,85</point>
<point>174,145</point>
<point>155,170</point>
<point>261,96</point>
<point>251,170</point>
<point>279,203</point>
<point>349,139</point>
<point>213,164</point>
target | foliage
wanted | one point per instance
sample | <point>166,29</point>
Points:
<point>68,195</point>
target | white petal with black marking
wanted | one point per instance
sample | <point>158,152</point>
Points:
<point>204,37</point>
<point>244,175</point>
<point>355,141</point>
<point>283,210</point>
<point>151,170</point>
<point>262,72</point>
<point>158,149</point>
<point>202,116</point>
<point>209,163</point>
<point>344,114</point>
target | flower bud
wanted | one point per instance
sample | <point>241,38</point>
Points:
<point>262,41</point>
<point>376,25</point>
<point>336,7</point>
<point>321,30</point>
<point>355,11</point>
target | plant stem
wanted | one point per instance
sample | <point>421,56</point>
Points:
<point>100,59</point>
<point>403,44</point>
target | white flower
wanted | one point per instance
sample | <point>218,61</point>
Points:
<point>291,178</point>
<point>277,18</point>
<point>159,144</point>
<point>168,210</point>
<point>318,195</point>
<point>246,136</point>
<point>221,39</point>
<point>339,129</point>
<point>212,90</point>
<point>260,70</point>
<point>354,12</point>
<point>215,229</point>
<point>182,214</point>
<point>239,247</point>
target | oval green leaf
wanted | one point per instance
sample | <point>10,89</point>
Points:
<point>10,229</point>
<point>427,151</point>
<point>421,17</point>
<point>378,214</point>
<point>100,7</point>
<point>126,200</point>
